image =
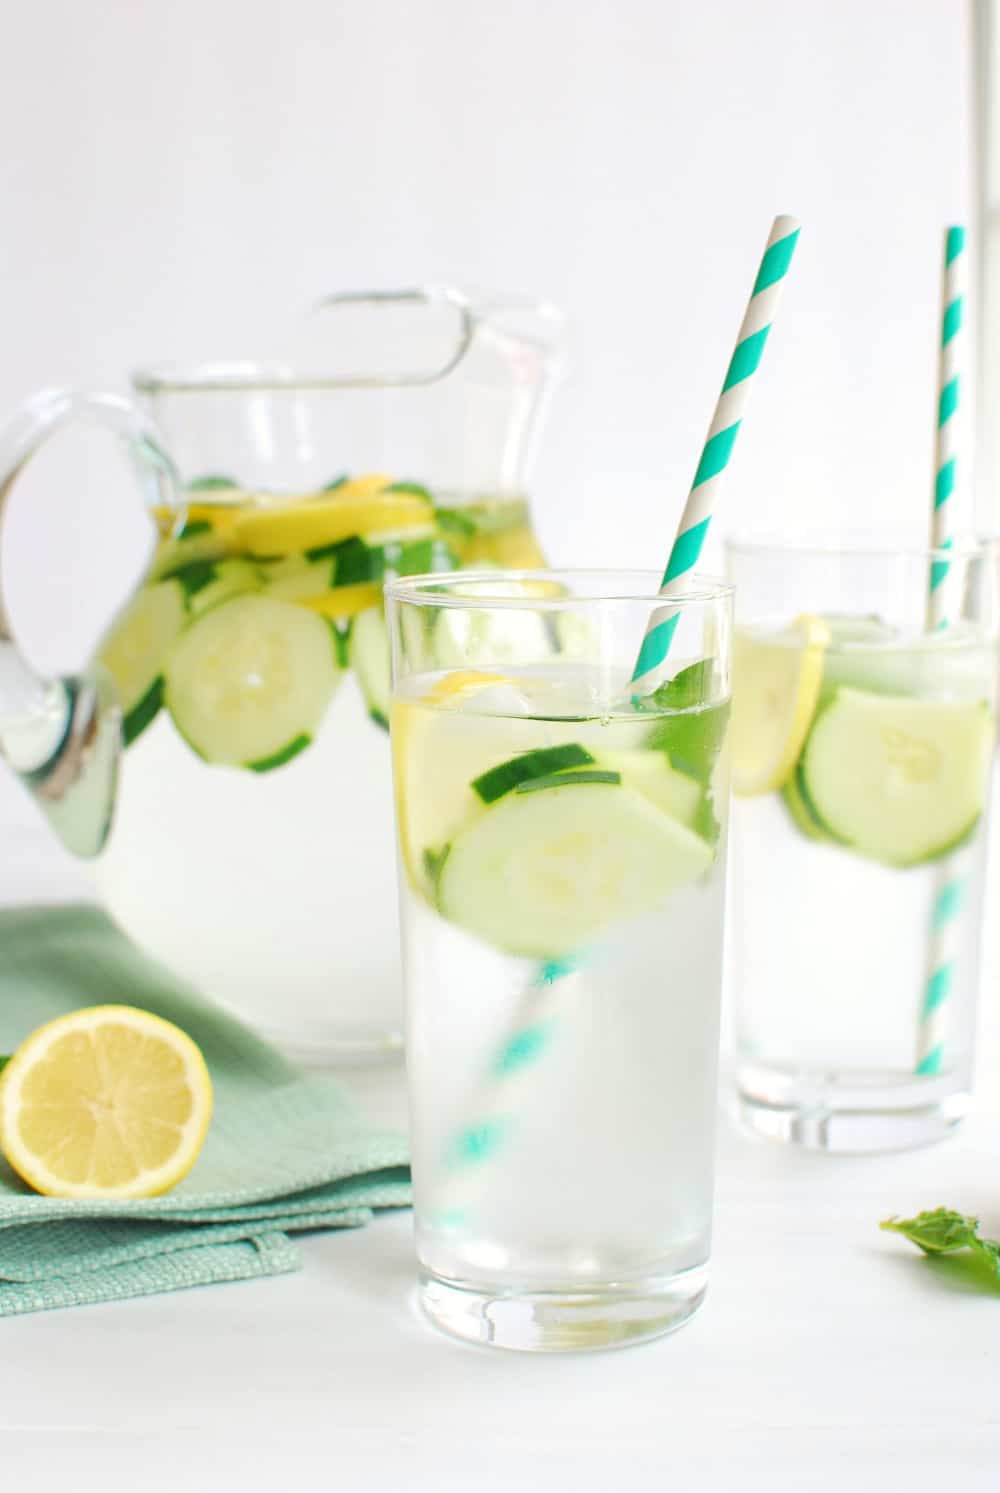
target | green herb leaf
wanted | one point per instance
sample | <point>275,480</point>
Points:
<point>195,526</point>
<point>942,1232</point>
<point>691,687</point>
<point>337,482</point>
<point>416,488</point>
<point>5,1060</point>
<point>434,864</point>
<point>211,484</point>
<point>706,822</point>
<point>692,739</point>
<point>195,577</point>
<point>454,521</point>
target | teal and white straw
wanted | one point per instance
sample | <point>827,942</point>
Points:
<point>543,1003</point>
<point>952,875</point>
<point>718,448</point>
<point>949,391</point>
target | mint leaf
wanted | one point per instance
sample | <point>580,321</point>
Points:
<point>434,864</point>
<point>5,1060</point>
<point>454,521</point>
<point>211,484</point>
<point>692,739</point>
<point>942,1232</point>
<point>706,823</point>
<point>415,488</point>
<point>691,687</point>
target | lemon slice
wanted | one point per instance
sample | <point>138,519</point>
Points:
<point>436,754</point>
<point>776,684</point>
<point>311,523</point>
<point>108,1102</point>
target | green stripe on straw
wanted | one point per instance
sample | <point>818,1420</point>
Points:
<point>687,548</point>
<point>951,323</point>
<point>746,358</point>
<point>948,403</point>
<point>940,568</point>
<point>944,483</point>
<point>774,265</point>
<point>954,244</point>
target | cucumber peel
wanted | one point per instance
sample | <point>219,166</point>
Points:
<point>507,776</point>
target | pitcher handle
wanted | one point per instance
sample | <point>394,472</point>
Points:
<point>62,736</point>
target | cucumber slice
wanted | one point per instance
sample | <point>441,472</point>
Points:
<point>651,774</point>
<point>221,582</point>
<point>136,648</point>
<point>509,775</point>
<point>370,660</point>
<point>541,874</point>
<point>196,545</point>
<point>250,680</point>
<point>297,579</point>
<point>897,780</point>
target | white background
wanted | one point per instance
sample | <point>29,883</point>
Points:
<point>180,179</point>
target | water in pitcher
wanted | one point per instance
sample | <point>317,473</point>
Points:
<point>252,844</point>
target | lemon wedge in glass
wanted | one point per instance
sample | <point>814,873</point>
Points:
<point>777,678</point>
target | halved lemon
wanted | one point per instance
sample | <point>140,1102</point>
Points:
<point>776,685</point>
<point>107,1102</point>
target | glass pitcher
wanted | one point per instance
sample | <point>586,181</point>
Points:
<point>224,762</point>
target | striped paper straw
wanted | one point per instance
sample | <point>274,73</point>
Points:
<point>952,873</point>
<point>542,1004</point>
<point>945,443</point>
<point>718,448</point>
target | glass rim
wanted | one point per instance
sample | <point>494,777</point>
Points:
<point>835,542</point>
<point>432,589</point>
<point>474,308</point>
<point>246,376</point>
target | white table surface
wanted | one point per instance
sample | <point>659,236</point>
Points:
<point>827,1356</point>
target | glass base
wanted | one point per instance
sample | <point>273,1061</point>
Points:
<point>850,1114</point>
<point>564,1321</point>
<point>328,1047</point>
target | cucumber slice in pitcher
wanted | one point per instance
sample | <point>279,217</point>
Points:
<point>136,648</point>
<point>248,683</point>
<point>369,655</point>
<point>542,873</point>
<point>209,585</point>
<point>897,779</point>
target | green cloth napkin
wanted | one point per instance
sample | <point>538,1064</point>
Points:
<point>286,1150</point>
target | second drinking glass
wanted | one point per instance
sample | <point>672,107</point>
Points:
<point>863,729</point>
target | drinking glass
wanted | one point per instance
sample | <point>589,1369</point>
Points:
<point>863,723</point>
<point>561,854</point>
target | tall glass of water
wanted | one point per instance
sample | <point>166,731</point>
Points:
<point>561,850</point>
